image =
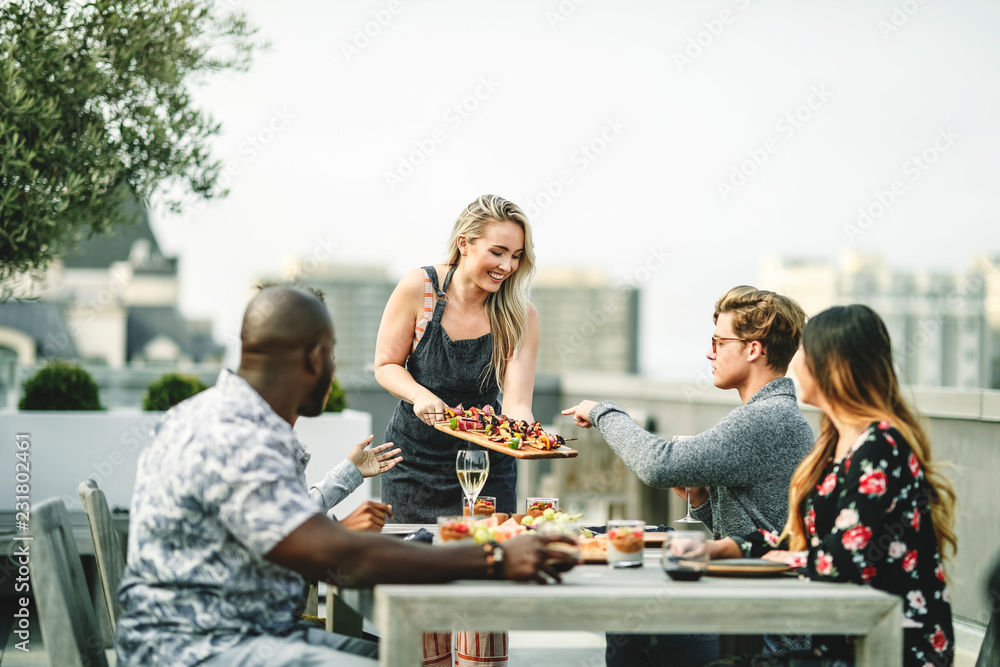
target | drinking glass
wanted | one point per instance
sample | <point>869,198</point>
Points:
<point>454,529</point>
<point>537,506</point>
<point>625,542</point>
<point>684,554</point>
<point>570,529</point>
<point>472,467</point>
<point>687,517</point>
<point>482,506</point>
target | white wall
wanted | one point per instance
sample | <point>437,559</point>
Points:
<point>68,447</point>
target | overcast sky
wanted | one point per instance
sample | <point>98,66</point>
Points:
<point>714,132</point>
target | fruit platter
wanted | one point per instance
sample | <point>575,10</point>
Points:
<point>591,546</point>
<point>515,438</point>
<point>500,527</point>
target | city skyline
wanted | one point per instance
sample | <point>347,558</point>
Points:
<point>713,135</point>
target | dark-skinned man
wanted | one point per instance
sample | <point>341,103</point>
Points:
<point>223,529</point>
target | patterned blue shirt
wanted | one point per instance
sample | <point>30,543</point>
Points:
<point>222,482</point>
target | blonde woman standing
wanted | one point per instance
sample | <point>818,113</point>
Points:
<point>458,332</point>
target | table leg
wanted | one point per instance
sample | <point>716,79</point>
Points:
<point>884,644</point>
<point>401,643</point>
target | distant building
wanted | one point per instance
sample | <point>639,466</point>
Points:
<point>585,321</point>
<point>945,327</point>
<point>356,296</point>
<point>112,301</point>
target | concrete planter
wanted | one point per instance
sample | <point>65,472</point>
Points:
<point>68,447</point>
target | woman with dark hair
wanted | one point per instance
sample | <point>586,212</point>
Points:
<point>867,505</point>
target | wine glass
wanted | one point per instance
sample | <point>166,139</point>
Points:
<point>472,467</point>
<point>688,518</point>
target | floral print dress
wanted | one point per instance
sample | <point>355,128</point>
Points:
<point>869,522</point>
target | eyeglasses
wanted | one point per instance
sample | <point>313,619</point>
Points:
<point>717,339</point>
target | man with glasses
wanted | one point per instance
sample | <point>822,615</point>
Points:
<point>738,471</point>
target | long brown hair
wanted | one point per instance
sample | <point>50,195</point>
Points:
<point>507,308</point>
<point>848,352</point>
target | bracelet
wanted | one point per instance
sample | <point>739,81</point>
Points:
<point>494,556</point>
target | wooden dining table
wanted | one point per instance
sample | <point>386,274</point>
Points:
<point>638,600</point>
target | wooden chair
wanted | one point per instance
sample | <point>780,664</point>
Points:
<point>107,548</point>
<point>69,626</point>
<point>109,556</point>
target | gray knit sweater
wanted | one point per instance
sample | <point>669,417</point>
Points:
<point>747,459</point>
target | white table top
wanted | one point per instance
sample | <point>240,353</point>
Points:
<point>597,598</point>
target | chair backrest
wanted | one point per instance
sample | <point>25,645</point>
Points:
<point>107,548</point>
<point>69,627</point>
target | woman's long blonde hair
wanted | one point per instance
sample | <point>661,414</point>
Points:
<point>848,352</point>
<point>507,308</point>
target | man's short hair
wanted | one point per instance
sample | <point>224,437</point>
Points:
<point>774,320</point>
<point>268,284</point>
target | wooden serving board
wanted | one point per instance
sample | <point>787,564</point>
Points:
<point>526,451</point>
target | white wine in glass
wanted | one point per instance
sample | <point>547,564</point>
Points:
<point>472,467</point>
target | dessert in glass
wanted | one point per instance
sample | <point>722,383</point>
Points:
<point>454,529</point>
<point>484,506</point>
<point>536,507</point>
<point>625,542</point>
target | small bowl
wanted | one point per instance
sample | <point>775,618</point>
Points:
<point>454,529</point>
<point>536,506</point>
<point>625,542</point>
<point>485,506</point>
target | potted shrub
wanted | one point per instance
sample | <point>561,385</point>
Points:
<point>337,400</point>
<point>170,389</point>
<point>60,386</point>
<point>72,437</point>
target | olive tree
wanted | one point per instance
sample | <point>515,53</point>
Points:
<point>96,107</point>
